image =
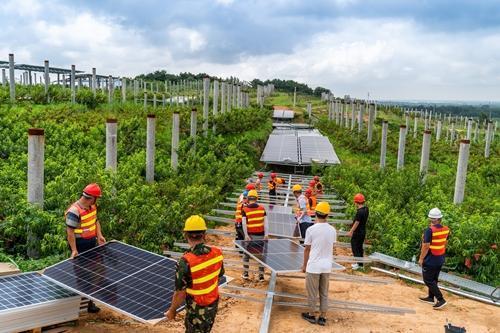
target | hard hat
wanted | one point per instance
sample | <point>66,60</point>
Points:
<point>250,186</point>
<point>435,213</point>
<point>309,192</point>
<point>273,175</point>
<point>245,193</point>
<point>253,194</point>
<point>296,188</point>
<point>359,198</point>
<point>195,223</point>
<point>260,175</point>
<point>92,190</point>
<point>316,178</point>
<point>312,183</point>
<point>323,208</point>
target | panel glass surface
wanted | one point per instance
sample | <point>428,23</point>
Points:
<point>28,289</point>
<point>280,255</point>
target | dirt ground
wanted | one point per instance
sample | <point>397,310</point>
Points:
<point>236,315</point>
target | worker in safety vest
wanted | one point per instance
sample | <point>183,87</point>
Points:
<point>254,226</point>
<point>272,186</point>
<point>432,257</point>
<point>312,200</point>
<point>318,186</point>
<point>301,210</point>
<point>197,279</point>
<point>238,220</point>
<point>312,186</point>
<point>83,230</point>
<point>258,182</point>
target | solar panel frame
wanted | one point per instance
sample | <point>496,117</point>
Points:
<point>91,296</point>
<point>283,224</point>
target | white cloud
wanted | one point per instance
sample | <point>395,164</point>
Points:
<point>224,2</point>
<point>180,36</point>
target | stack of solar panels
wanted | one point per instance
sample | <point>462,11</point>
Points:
<point>29,301</point>
<point>317,149</point>
<point>283,114</point>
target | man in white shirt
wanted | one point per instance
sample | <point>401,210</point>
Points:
<point>318,258</point>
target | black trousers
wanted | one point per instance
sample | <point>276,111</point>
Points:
<point>430,275</point>
<point>357,241</point>
<point>272,196</point>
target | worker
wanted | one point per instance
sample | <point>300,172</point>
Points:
<point>258,182</point>
<point>242,202</point>
<point>271,186</point>
<point>301,210</point>
<point>83,229</point>
<point>318,258</point>
<point>432,257</point>
<point>318,186</point>
<point>312,200</point>
<point>255,227</point>
<point>358,229</point>
<point>197,279</point>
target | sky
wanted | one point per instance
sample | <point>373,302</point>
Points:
<point>390,49</point>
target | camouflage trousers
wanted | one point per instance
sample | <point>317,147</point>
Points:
<point>200,319</point>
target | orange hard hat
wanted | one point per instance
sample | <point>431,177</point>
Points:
<point>309,192</point>
<point>273,175</point>
<point>92,190</point>
<point>316,178</point>
<point>359,198</point>
<point>260,175</point>
<point>250,186</point>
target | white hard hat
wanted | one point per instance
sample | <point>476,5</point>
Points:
<point>435,213</point>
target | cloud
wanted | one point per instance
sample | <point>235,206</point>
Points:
<point>224,2</point>
<point>180,36</point>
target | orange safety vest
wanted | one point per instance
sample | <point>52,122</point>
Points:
<point>237,215</point>
<point>312,205</point>
<point>318,187</point>
<point>88,219</point>
<point>438,241</point>
<point>255,219</point>
<point>271,185</point>
<point>205,270</point>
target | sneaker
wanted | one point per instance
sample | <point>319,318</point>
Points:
<point>439,305</point>
<point>322,321</point>
<point>355,267</point>
<point>429,300</point>
<point>244,276</point>
<point>309,317</point>
<point>92,308</point>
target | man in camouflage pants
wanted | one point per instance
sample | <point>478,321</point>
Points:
<point>198,263</point>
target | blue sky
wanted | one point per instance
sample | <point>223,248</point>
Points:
<point>429,49</point>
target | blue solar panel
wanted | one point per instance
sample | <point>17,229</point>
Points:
<point>28,289</point>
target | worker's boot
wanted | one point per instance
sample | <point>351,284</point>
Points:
<point>428,299</point>
<point>92,308</point>
<point>439,304</point>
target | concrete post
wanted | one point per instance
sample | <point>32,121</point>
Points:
<point>371,120</point>
<point>309,110</point>
<point>360,116</point>
<point>194,122</point>
<point>469,129</point>
<point>229,87</point>
<point>12,80</point>
<point>124,89</point>
<point>175,140</point>
<point>47,78</point>
<point>223,97</point>
<point>415,126</point>
<point>463,159</point>
<point>110,89</point>
<point>111,144</point>
<point>452,133</point>
<point>150,147</point>
<point>426,149</point>
<point>401,147</point>
<point>72,84</point>
<point>294,96</point>
<point>238,96</point>
<point>341,107</point>
<point>407,122</point>
<point>215,101</point>
<point>234,95</point>
<point>145,100</point>
<point>487,145</point>
<point>4,77</point>
<point>94,81</point>
<point>383,144</point>
<point>476,131</point>
<point>206,100</point>
<point>353,115</point>
<point>36,149</point>
<point>438,130</point>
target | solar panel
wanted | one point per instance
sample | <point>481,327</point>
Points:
<point>317,149</point>
<point>282,224</point>
<point>279,255</point>
<point>281,149</point>
<point>283,114</point>
<point>129,280</point>
<point>22,290</point>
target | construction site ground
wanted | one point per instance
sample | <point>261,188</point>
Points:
<point>236,315</point>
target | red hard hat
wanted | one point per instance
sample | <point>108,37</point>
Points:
<point>309,192</point>
<point>316,178</point>
<point>273,175</point>
<point>250,186</point>
<point>92,190</point>
<point>359,198</point>
<point>312,183</point>
<point>260,175</point>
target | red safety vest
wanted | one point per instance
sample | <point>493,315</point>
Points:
<point>255,219</point>
<point>205,270</point>
<point>88,219</point>
<point>438,241</point>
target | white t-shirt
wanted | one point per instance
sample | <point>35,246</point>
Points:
<point>321,237</point>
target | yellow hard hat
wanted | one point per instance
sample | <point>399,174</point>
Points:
<point>323,208</point>
<point>253,193</point>
<point>296,188</point>
<point>195,223</point>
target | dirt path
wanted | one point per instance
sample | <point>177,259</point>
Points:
<point>242,316</point>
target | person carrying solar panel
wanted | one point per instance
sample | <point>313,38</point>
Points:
<point>318,259</point>
<point>272,186</point>
<point>258,182</point>
<point>312,200</point>
<point>318,186</point>
<point>301,210</point>
<point>358,229</point>
<point>255,227</point>
<point>197,279</point>
<point>83,230</point>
